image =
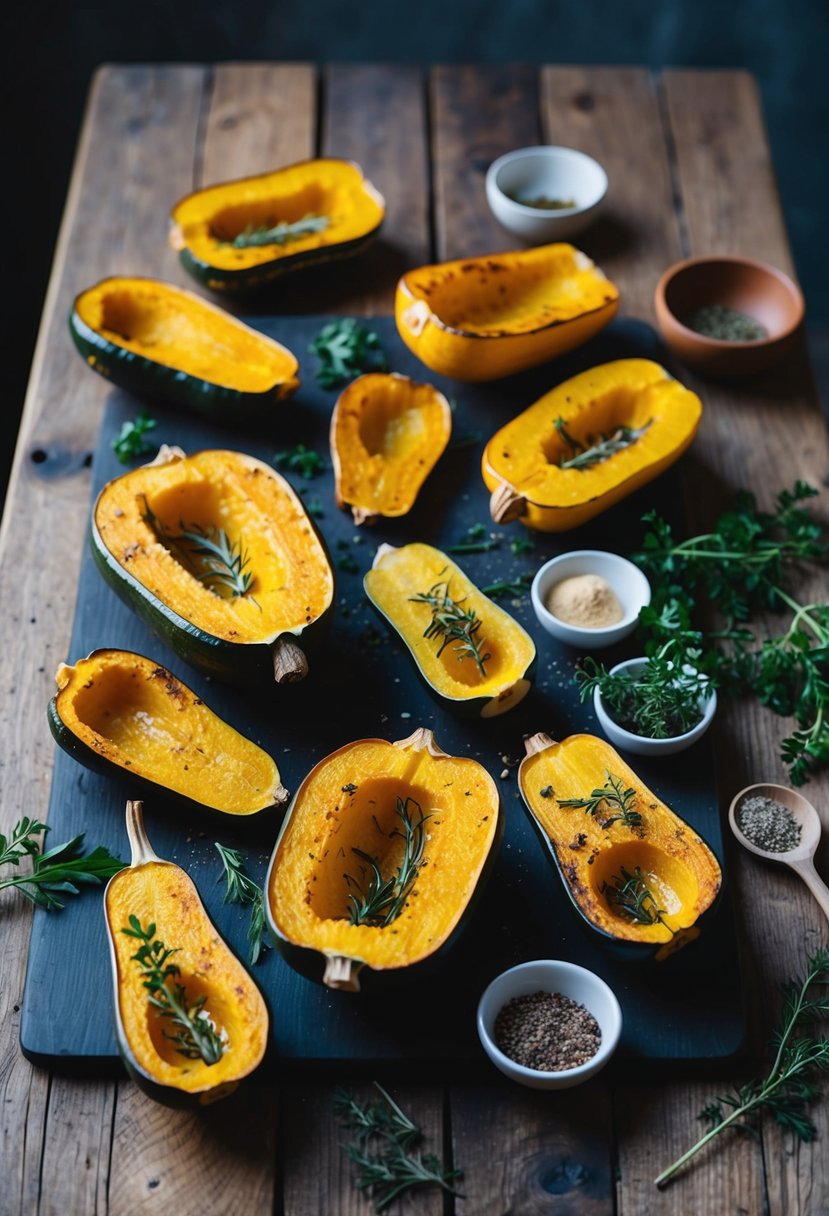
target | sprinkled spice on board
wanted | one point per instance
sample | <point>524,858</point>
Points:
<point>768,824</point>
<point>547,1031</point>
<point>726,324</point>
<point>586,600</point>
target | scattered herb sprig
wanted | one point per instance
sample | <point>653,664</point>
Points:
<point>61,870</point>
<point>241,889</point>
<point>379,901</point>
<point>455,625</point>
<point>208,553</point>
<point>613,800</point>
<point>386,1151</point>
<point>345,348</point>
<point>605,446</point>
<point>790,1085</point>
<point>515,588</point>
<point>131,441</point>
<point>630,894</point>
<point>302,460</point>
<point>195,1037</point>
<point>256,235</point>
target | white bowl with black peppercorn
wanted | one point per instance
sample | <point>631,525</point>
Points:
<point>589,598</point>
<point>549,1024</point>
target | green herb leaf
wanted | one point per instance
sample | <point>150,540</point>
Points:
<point>241,889</point>
<point>302,460</point>
<point>256,235</point>
<point>208,553</point>
<point>61,870</point>
<point>602,449</point>
<point>378,901</point>
<point>458,627</point>
<point>131,441</point>
<point>614,797</point>
<point>345,349</point>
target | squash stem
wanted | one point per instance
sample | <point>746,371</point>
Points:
<point>342,973</point>
<point>141,849</point>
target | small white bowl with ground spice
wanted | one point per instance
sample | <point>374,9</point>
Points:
<point>589,598</point>
<point>545,193</point>
<point>549,1024</point>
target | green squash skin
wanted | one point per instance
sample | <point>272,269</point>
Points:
<point>244,663</point>
<point>252,278</point>
<point>146,378</point>
<point>310,963</point>
<point>619,948</point>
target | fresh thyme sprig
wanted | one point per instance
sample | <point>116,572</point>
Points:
<point>61,870</point>
<point>614,797</point>
<point>131,441</point>
<point>241,889</point>
<point>457,626</point>
<point>386,1153</point>
<point>604,447</point>
<point>346,348</point>
<point>515,588</point>
<point>208,553</point>
<point>788,1088</point>
<point>196,1037</point>
<point>630,894</point>
<point>279,234</point>
<point>382,899</point>
<point>300,459</point>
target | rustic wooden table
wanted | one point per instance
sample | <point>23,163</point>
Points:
<point>690,172</point>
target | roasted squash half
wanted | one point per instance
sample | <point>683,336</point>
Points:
<point>347,821</point>
<point>615,427</point>
<point>241,234</point>
<point>644,880</point>
<point>164,899</point>
<point>486,317</point>
<point>387,434</point>
<point>119,712</point>
<point>159,341</point>
<point>148,537</point>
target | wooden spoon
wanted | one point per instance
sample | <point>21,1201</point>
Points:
<point>799,859</point>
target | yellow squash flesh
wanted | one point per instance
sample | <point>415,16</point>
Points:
<point>521,462</point>
<point>676,864</point>
<point>387,434</point>
<point>347,802</point>
<point>400,574</point>
<point>486,317</point>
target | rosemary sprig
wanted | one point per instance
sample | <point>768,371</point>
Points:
<point>604,447</point>
<point>346,348</point>
<point>279,234</point>
<point>241,889</point>
<point>383,899</point>
<point>208,553</point>
<point>512,587</point>
<point>386,1152</point>
<point>630,894</point>
<point>196,1037</point>
<point>300,459</point>
<point>131,441</point>
<point>616,799</point>
<point>58,871</point>
<point>789,1087</point>
<point>457,626</point>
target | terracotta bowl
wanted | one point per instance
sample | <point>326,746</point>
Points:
<point>760,291</point>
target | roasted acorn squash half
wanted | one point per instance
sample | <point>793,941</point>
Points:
<point>121,713</point>
<point>486,317</point>
<point>159,341</point>
<point>164,900</point>
<point>588,443</point>
<point>242,234</point>
<point>154,534</point>
<point>486,666</point>
<point>642,880</point>
<point>359,814</point>
<point>387,434</point>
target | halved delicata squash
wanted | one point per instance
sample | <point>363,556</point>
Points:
<point>375,813</point>
<point>159,341</point>
<point>217,554</point>
<point>163,900</point>
<point>483,660</point>
<point>387,434</point>
<point>588,443</point>
<point>241,234</point>
<point>486,317</point>
<point>121,713</point>
<point>640,878</point>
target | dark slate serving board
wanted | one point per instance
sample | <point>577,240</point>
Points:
<point>363,684</point>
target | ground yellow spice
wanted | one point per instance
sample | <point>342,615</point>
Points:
<point>586,600</point>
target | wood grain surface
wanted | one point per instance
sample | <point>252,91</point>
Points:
<point>690,172</point>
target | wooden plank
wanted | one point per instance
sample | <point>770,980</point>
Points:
<point>478,113</point>
<point>136,122</point>
<point>553,1151</point>
<point>375,114</point>
<point>76,1147</point>
<point>613,115</point>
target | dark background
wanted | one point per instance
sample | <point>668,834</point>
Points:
<point>51,52</point>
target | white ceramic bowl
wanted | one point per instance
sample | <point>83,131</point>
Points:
<point>548,172</point>
<point>550,975</point>
<point>632,590</point>
<point>639,744</point>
